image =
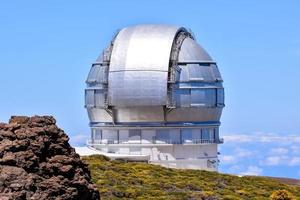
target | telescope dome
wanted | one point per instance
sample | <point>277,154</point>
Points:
<point>154,77</point>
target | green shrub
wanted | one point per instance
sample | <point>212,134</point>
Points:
<point>281,195</point>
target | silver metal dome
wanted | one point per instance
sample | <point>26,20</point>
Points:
<point>154,76</point>
<point>154,73</point>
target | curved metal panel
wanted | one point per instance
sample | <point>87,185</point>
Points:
<point>98,75</point>
<point>129,88</point>
<point>191,51</point>
<point>143,47</point>
<point>100,58</point>
<point>99,115</point>
<point>138,71</point>
<point>195,114</point>
<point>216,72</point>
<point>139,114</point>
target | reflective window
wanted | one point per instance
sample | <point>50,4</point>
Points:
<point>95,98</point>
<point>186,135</point>
<point>135,135</point>
<point>220,96</point>
<point>148,136</point>
<point>195,72</point>
<point>184,73</point>
<point>207,134</point>
<point>196,135</point>
<point>97,134</point>
<point>98,74</point>
<point>92,77</point>
<point>216,133</point>
<point>200,72</point>
<point>162,135</point>
<point>123,136</point>
<point>89,98</point>
<point>100,97</point>
<point>183,97</point>
<point>110,136</point>
<point>203,97</point>
<point>216,72</point>
<point>175,136</point>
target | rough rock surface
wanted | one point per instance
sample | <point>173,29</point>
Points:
<point>37,163</point>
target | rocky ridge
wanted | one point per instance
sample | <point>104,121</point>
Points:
<point>38,163</point>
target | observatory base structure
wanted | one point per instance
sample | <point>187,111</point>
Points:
<point>156,95</point>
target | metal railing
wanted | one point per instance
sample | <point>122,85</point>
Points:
<point>157,142</point>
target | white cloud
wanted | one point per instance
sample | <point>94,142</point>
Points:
<point>295,149</point>
<point>234,169</point>
<point>281,160</point>
<point>242,153</point>
<point>279,151</point>
<point>253,170</point>
<point>260,150</point>
<point>275,160</point>
<point>262,137</point>
<point>228,159</point>
<point>295,161</point>
<point>238,138</point>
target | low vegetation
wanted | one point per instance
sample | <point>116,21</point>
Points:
<point>132,180</point>
<point>281,195</point>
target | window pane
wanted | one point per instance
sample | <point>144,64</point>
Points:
<point>216,133</point>
<point>91,76</point>
<point>200,72</point>
<point>135,136</point>
<point>123,136</point>
<point>207,134</point>
<point>220,96</point>
<point>211,134</point>
<point>103,74</point>
<point>148,136</point>
<point>194,72</point>
<point>162,135</point>
<point>98,74</point>
<point>203,97</point>
<point>184,73</point>
<point>198,97</point>
<point>210,97</point>
<point>216,72</point>
<point>183,97</point>
<point>100,97</point>
<point>89,98</point>
<point>174,136</point>
<point>110,136</point>
<point>97,134</point>
<point>186,135</point>
<point>196,134</point>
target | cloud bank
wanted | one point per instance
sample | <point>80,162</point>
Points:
<point>261,154</point>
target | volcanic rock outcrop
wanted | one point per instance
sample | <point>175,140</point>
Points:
<point>38,163</point>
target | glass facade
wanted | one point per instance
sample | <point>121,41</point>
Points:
<point>199,97</point>
<point>156,136</point>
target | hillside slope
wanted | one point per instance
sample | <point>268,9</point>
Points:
<point>121,180</point>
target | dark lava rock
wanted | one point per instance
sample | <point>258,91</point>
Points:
<point>38,163</point>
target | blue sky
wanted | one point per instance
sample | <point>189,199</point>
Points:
<point>46,48</point>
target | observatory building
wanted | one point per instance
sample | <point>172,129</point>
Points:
<point>155,95</point>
